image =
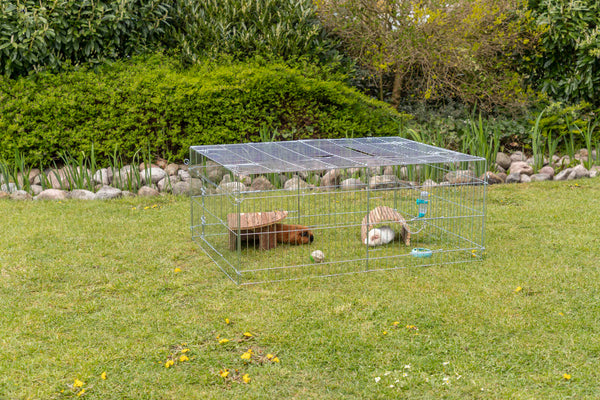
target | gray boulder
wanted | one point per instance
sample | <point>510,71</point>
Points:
<point>578,172</point>
<point>8,187</point>
<point>563,175</point>
<point>155,174</point>
<point>513,178</point>
<point>518,156</point>
<point>52,194</point>
<point>521,167</point>
<point>172,169</point>
<point>384,182</point>
<point>331,178</point>
<point>36,189</point>
<point>231,187</point>
<point>20,195</point>
<point>81,194</point>
<point>295,183</point>
<point>108,192</point>
<point>353,184</point>
<point>540,177</point>
<point>503,160</point>
<point>184,175</point>
<point>147,191</point>
<point>548,170</point>
<point>260,184</point>
<point>460,177</point>
<point>181,188</point>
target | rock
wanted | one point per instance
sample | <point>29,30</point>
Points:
<point>153,175</point>
<point>502,176</point>
<point>578,172</point>
<point>33,174</point>
<point>108,192</point>
<point>563,175</point>
<point>166,184</point>
<point>162,163</point>
<point>226,179</point>
<point>181,188</point>
<point>584,153</point>
<point>353,184</point>
<point>52,194</point>
<point>525,178</point>
<point>492,178</point>
<point>518,156</point>
<point>540,177</point>
<point>593,173</point>
<point>384,182</point>
<point>231,187</point>
<point>124,177</point>
<point>245,179</point>
<point>36,189</point>
<point>103,176</point>
<point>147,191</point>
<point>184,175</point>
<point>4,195</point>
<point>9,188</point>
<point>513,178</point>
<point>81,194</point>
<point>503,160</point>
<point>460,177</point>
<point>295,183</point>
<point>20,195</point>
<point>548,170</point>
<point>521,167</point>
<point>500,169</point>
<point>331,179</point>
<point>215,172</point>
<point>429,183</point>
<point>195,186</point>
<point>563,161</point>
<point>260,184</point>
<point>171,169</point>
<point>127,193</point>
<point>143,166</point>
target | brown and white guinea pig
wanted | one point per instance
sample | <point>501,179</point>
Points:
<point>293,234</point>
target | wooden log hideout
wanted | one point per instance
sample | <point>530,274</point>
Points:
<point>254,227</point>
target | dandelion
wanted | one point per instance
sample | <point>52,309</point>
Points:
<point>385,332</point>
<point>246,378</point>
<point>270,356</point>
<point>247,334</point>
<point>154,206</point>
<point>103,376</point>
<point>246,356</point>
<point>276,359</point>
<point>224,373</point>
<point>81,392</point>
<point>169,363</point>
<point>185,351</point>
<point>566,376</point>
<point>183,358</point>
<point>176,270</point>
<point>146,208</point>
<point>395,323</point>
<point>518,289</point>
<point>223,341</point>
<point>77,383</point>
<point>561,314</point>
<point>227,321</point>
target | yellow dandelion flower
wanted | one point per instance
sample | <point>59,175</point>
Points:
<point>247,334</point>
<point>154,205</point>
<point>246,378</point>
<point>103,376</point>
<point>223,341</point>
<point>184,358</point>
<point>146,208</point>
<point>224,373</point>
<point>270,356</point>
<point>77,383</point>
<point>566,376</point>
<point>81,392</point>
<point>246,356</point>
<point>227,321</point>
<point>385,332</point>
<point>561,314</point>
<point>395,323</point>
<point>169,363</point>
<point>185,350</point>
<point>176,270</point>
<point>518,289</point>
<point>275,359</point>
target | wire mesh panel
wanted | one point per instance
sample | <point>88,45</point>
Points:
<point>266,212</point>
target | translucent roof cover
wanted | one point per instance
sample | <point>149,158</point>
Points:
<point>319,154</point>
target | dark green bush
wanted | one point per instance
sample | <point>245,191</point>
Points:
<point>149,103</point>
<point>46,34</point>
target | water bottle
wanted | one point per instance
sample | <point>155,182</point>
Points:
<point>422,202</point>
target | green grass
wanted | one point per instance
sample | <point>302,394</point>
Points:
<point>91,287</point>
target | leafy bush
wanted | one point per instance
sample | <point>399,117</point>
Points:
<point>45,34</point>
<point>149,103</point>
<point>286,29</point>
<point>568,66</point>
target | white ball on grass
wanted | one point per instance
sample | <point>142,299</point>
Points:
<point>317,256</point>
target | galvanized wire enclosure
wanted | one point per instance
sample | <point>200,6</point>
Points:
<point>262,210</point>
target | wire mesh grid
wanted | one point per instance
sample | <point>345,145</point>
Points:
<point>267,212</point>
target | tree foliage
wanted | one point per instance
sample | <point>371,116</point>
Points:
<point>40,35</point>
<point>436,49</point>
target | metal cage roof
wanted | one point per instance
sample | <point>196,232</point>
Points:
<point>320,154</point>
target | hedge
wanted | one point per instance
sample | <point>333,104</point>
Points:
<point>151,104</point>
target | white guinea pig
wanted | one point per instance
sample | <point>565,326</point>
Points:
<point>380,236</point>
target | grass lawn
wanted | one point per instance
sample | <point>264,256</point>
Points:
<point>118,287</point>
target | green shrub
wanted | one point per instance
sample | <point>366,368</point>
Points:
<point>149,103</point>
<point>568,66</point>
<point>47,34</point>
<point>285,29</point>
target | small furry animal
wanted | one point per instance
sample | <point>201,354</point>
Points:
<point>293,234</point>
<point>380,236</point>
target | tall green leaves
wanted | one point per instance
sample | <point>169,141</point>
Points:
<point>568,68</point>
<point>47,34</point>
<point>242,28</point>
